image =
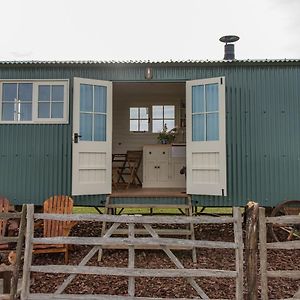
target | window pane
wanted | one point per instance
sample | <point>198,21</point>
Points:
<point>57,110</point>
<point>44,92</point>
<point>157,125</point>
<point>157,111</point>
<point>212,127</point>
<point>9,92</point>
<point>25,112</point>
<point>134,125</point>
<point>169,111</point>
<point>44,110</point>
<point>198,99</point>
<point>212,97</point>
<point>134,112</point>
<point>100,99</point>
<point>144,113</point>
<point>58,93</point>
<point>25,92</point>
<point>8,111</point>
<point>144,125</point>
<point>86,98</point>
<point>198,128</point>
<point>100,128</point>
<point>86,127</point>
<point>170,124</point>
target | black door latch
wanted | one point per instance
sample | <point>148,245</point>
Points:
<point>76,137</point>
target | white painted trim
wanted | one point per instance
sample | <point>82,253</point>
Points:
<point>36,83</point>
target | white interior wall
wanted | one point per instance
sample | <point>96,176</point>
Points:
<point>141,95</point>
<point>126,95</point>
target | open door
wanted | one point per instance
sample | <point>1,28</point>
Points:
<point>206,137</point>
<point>92,137</point>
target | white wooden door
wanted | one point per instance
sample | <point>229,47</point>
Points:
<point>206,137</point>
<point>92,137</point>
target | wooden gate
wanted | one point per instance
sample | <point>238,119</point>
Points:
<point>133,242</point>
<point>264,246</point>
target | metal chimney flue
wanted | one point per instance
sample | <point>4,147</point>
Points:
<point>229,46</point>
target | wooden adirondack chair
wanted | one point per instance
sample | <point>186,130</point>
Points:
<point>51,228</point>
<point>4,207</point>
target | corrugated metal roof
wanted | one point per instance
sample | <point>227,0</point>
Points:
<point>175,62</point>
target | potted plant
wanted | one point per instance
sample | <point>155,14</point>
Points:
<point>165,136</point>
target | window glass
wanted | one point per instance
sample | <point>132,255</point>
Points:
<point>212,97</point>
<point>25,112</point>
<point>44,110</point>
<point>163,115</point>
<point>93,106</point>
<point>139,119</point>
<point>25,92</point>
<point>198,99</point>
<point>212,126</point>
<point>205,115</point>
<point>44,93</point>
<point>157,125</point>
<point>198,127</point>
<point>157,112</point>
<point>86,126</point>
<point>57,110</point>
<point>100,127</point>
<point>8,111</point>
<point>100,99</point>
<point>58,93</point>
<point>134,125</point>
<point>134,112</point>
<point>49,102</point>
<point>86,97</point>
<point>9,91</point>
<point>169,112</point>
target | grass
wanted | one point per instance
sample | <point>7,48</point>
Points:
<point>207,210</point>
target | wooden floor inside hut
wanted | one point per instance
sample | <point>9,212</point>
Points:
<point>149,192</point>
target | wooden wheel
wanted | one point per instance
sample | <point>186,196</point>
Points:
<point>286,232</point>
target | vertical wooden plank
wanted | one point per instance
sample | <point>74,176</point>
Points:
<point>28,252</point>
<point>263,253</point>
<point>190,214</point>
<point>103,228</point>
<point>238,239</point>
<point>15,278</point>
<point>251,238</point>
<point>131,261</point>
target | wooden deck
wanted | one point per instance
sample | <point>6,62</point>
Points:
<point>140,192</point>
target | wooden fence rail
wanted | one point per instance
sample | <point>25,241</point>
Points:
<point>264,246</point>
<point>132,242</point>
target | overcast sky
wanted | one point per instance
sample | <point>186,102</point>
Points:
<point>156,30</point>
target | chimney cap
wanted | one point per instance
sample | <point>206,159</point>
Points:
<point>229,39</point>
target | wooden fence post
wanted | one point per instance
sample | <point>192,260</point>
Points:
<point>251,214</point>
<point>15,277</point>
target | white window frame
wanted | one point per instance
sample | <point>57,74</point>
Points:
<point>163,117</point>
<point>35,85</point>
<point>139,119</point>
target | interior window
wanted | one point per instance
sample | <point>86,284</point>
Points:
<point>163,115</point>
<point>139,119</point>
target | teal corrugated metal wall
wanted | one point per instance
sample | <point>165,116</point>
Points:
<point>263,125</point>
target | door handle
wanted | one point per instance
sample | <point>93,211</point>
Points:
<point>76,137</point>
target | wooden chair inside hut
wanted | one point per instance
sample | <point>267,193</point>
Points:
<point>4,208</point>
<point>51,228</point>
<point>128,171</point>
